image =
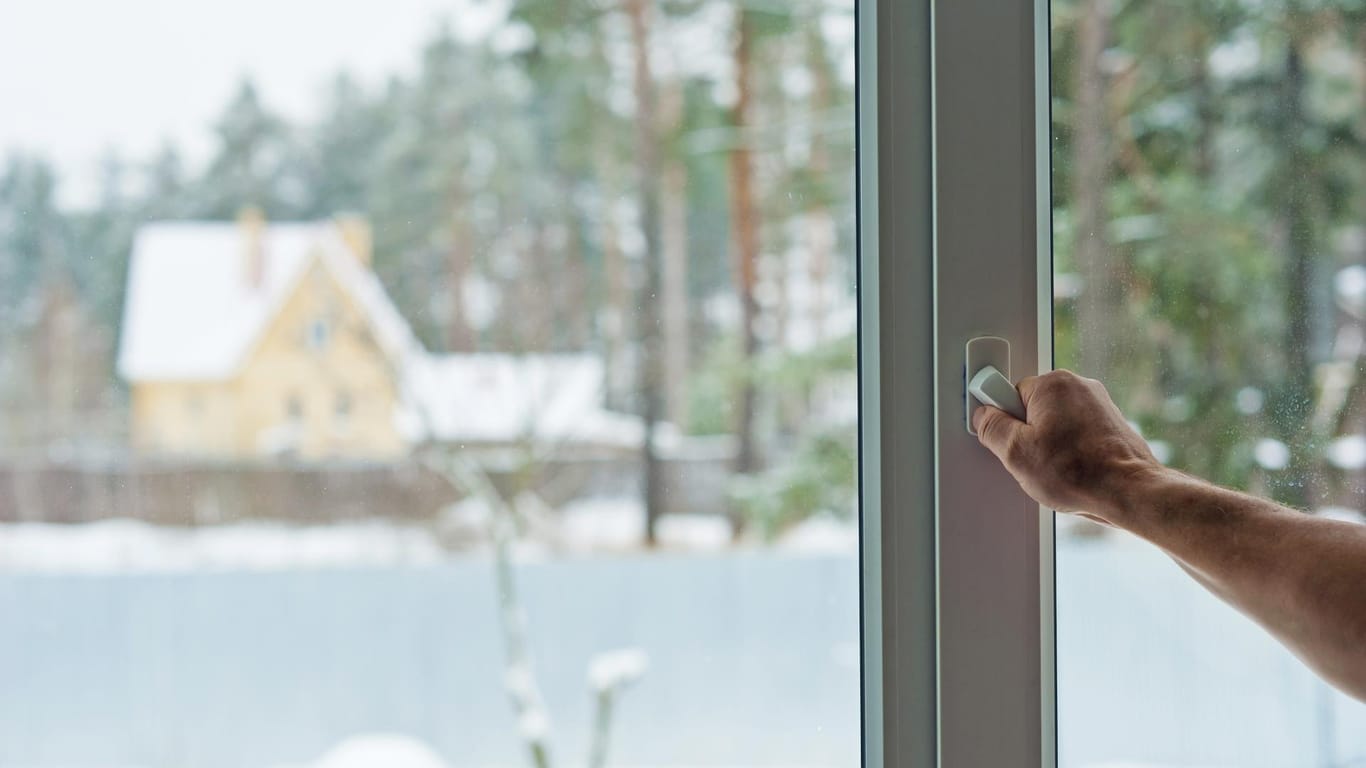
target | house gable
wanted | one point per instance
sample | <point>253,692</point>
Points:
<point>318,382</point>
<point>301,354</point>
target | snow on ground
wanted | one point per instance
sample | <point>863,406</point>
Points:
<point>583,527</point>
<point>618,524</point>
<point>130,545</point>
<point>1138,765</point>
<point>697,533</point>
<point>380,750</point>
<point>589,525</point>
<point>821,535</point>
<point>614,669</point>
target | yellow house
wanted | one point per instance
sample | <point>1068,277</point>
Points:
<point>251,339</point>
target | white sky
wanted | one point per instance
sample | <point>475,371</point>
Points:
<point>80,76</point>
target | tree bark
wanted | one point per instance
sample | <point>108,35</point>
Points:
<point>674,249</point>
<point>745,231</point>
<point>617,292</point>
<point>1206,110</point>
<point>1296,400</point>
<point>820,222</point>
<point>459,337</point>
<point>675,253</point>
<point>647,182</point>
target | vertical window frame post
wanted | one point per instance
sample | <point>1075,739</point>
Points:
<point>954,242</point>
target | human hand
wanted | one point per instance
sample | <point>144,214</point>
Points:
<point>1075,452</point>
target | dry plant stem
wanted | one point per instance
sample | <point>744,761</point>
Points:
<point>602,727</point>
<point>522,687</point>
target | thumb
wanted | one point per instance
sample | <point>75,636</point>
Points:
<point>995,429</point>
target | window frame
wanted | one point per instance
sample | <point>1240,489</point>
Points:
<point>956,562</point>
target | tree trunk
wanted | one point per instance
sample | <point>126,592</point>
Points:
<point>647,183</point>
<point>675,253</point>
<point>1206,109</point>
<point>1296,400</point>
<point>563,273</point>
<point>577,314</point>
<point>617,292</point>
<point>745,232</point>
<point>1100,305</point>
<point>459,337</point>
<point>820,222</point>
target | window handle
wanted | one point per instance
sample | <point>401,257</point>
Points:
<point>986,378</point>
<point>990,387</point>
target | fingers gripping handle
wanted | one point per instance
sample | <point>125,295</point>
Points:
<point>990,387</point>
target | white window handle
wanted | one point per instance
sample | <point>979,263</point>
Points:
<point>991,387</point>
<point>986,378</point>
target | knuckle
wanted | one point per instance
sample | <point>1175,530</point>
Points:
<point>1055,379</point>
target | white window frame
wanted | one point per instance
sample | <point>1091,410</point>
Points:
<point>954,242</point>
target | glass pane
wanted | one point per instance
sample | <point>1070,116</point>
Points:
<point>1210,256</point>
<point>428,383</point>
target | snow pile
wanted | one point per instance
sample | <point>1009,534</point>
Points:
<point>534,725</point>
<point>589,525</point>
<point>705,533</point>
<point>616,669</point>
<point>130,545</point>
<point>821,535</point>
<point>533,722</point>
<point>381,750</point>
<point>521,682</point>
<point>618,524</point>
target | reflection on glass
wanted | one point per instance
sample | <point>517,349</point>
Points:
<point>447,384</point>
<point>1209,248</point>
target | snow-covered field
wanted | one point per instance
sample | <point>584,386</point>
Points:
<point>582,528</point>
<point>368,646</point>
<point>129,546</point>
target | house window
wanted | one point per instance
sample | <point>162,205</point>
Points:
<point>317,334</point>
<point>294,408</point>
<point>342,409</point>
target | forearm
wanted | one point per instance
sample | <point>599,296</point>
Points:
<point>1303,578</point>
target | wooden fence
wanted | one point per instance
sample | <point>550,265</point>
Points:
<point>188,493</point>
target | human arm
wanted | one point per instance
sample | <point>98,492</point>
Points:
<point>1302,578</point>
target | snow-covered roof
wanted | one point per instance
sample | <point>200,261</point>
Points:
<point>499,398</point>
<point>192,314</point>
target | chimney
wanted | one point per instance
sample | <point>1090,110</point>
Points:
<point>355,231</point>
<point>251,223</point>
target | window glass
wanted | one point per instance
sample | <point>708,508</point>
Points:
<point>1210,247</point>
<point>518,343</point>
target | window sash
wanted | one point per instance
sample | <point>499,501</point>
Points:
<point>954,242</point>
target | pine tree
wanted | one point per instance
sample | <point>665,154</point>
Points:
<point>255,163</point>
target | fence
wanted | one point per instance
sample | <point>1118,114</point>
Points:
<point>186,493</point>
